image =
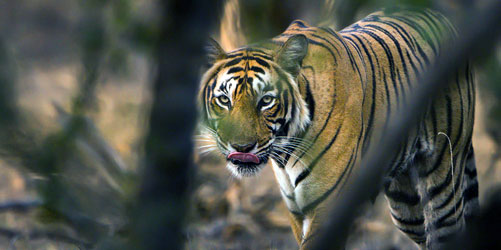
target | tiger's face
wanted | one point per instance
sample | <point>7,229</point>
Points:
<point>251,103</point>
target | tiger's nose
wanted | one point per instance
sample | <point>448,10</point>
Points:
<point>244,148</point>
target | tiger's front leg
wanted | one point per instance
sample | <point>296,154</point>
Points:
<point>301,228</point>
<point>308,226</point>
<point>296,222</point>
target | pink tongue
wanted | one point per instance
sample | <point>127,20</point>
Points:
<point>244,157</point>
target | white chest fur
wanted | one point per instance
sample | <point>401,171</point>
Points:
<point>306,226</point>
<point>285,178</point>
<point>290,193</point>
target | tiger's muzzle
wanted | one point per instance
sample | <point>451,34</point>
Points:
<point>246,161</point>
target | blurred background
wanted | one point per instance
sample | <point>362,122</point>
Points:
<point>77,82</point>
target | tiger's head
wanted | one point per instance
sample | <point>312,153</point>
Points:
<point>250,103</point>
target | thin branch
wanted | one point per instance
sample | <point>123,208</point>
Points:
<point>19,206</point>
<point>474,39</point>
<point>43,234</point>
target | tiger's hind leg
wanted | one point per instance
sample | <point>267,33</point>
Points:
<point>405,205</point>
<point>441,185</point>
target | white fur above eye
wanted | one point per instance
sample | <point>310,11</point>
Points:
<point>268,106</point>
<point>222,105</point>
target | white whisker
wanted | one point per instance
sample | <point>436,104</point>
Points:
<point>291,149</point>
<point>206,151</point>
<point>278,158</point>
<point>291,154</point>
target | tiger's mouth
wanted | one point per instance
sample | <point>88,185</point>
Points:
<point>239,157</point>
<point>246,164</point>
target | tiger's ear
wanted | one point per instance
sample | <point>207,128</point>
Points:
<point>291,54</point>
<point>214,52</point>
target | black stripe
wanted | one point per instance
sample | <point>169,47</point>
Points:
<point>279,107</point>
<point>438,161</point>
<point>256,50</point>
<point>373,104</point>
<point>355,157</point>
<point>355,45</point>
<point>412,232</point>
<point>328,115</point>
<point>348,52</point>
<point>472,173</point>
<point>400,53</point>
<point>469,86</point>
<point>234,55</point>
<point>389,55</point>
<point>313,204</point>
<point>260,61</point>
<point>257,69</point>
<point>234,70</point>
<point>435,190</point>
<point>400,196</point>
<point>302,176</point>
<point>404,34</point>
<point>260,79</point>
<point>420,30</point>
<point>310,101</point>
<point>285,98</point>
<point>263,56</point>
<point>451,222</point>
<point>411,222</point>
<point>255,58</point>
<point>311,41</point>
<point>457,207</point>
<point>414,68</point>
<point>435,31</point>
<point>449,115</point>
<point>388,99</point>
<point>471,192</point>
<point>299,23</point>
<point>290,197</point>
<point>204,102</point>
<point>434,121</point>
<point>461,121</point>
<point>293,105</point>
<point>315,161</point>
<point>451,194</point>
<point>296,213</point>
<point>214,82</point>
<point>404,151</point>
<point>233,62</point>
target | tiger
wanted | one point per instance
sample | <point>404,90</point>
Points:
<point>311,100</point>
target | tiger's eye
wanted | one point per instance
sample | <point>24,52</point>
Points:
<point>267,99</point>
<point>224,99</point>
